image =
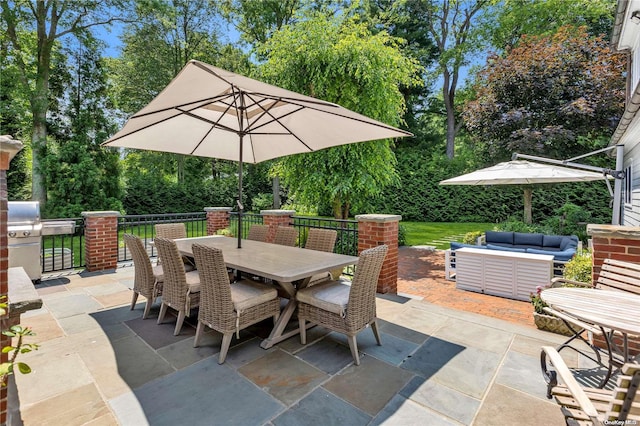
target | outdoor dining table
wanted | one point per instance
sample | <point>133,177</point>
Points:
<point>613,312</point>
<point>284,265</point>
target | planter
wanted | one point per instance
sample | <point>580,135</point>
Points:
<point>551,323</point>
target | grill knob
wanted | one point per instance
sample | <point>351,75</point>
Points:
<point>12,234</point>
<point>26,233</point>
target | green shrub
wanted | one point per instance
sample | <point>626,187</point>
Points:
<point>402,235</point>
<point>579,268</point>
<point>472,237</point>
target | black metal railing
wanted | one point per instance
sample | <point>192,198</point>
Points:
<point>346,241</point>
<point>143,225</point>
<point>248,219</point>
<point>66,251</point>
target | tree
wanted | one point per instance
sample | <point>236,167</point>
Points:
<point>51,20</point>
<point>337,59</point>
<point>258,20</point>
<point>457,36</point>
<point>533,17</point>
<point>558,95</point>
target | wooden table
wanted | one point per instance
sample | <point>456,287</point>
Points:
<point>282,264</point>
<point>610,311</point>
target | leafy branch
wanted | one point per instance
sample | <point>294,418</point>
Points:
<point>8,368</point>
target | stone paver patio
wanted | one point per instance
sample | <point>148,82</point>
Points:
<point>101,364</point>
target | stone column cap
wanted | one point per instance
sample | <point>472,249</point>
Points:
<point>278,212</point>
<point>218,209</point>
<point>105,213</point>
<point>11,146</point>
<point>614,231</point>
<point>378,218</point>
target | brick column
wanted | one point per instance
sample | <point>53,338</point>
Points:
<point>217,218</point>
<point>615,242</point>
<point>8,149</point>
<point>101,240</point>
<point>275,218</point>
<point>375,230</point>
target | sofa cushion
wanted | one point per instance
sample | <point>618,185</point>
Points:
<point>569,242</point>
<point>557,255</point>
<point>523,239</point>
<point>503,248</point>
<point>455,246</point>
<point>551,241</point>
<point>493,237</point>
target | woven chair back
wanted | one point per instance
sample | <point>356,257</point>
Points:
<point>362,296</point>
<point>174,292</point>
<point>321,239</point>
<point>216,305</point>
<point>144,280</point>
<point>171,231</point>
<point>286,236</point>
<point>258,233</point>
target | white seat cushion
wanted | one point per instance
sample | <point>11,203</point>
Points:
<point>247,293</point>
<point>332,296</point>
<point>193,281</point>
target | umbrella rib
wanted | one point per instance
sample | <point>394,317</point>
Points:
<point>199,102</point>
<point>215,124</point>
<point>140,129</point>
<point>267,111</point>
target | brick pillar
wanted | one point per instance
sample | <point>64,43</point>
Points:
<point>275,218</point>
<point>615,242</point>
<point>375,230</point>
<point>217,218</point>
<point>101,240</point>
<point>8,149</point>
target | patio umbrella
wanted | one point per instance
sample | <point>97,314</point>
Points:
<point>521,172</point>
<point>209,112</point>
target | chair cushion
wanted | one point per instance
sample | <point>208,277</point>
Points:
<point>158,273</point>
<point>526,239</point>
<point>557,255</point>
<point>332,296</point>
<point>503,248</point>
<point>455,245</point>
<point>248,293</point>
<point>569,242</point>
<point>492,237</point>
<point>193,281</point>
<point>551,241</point>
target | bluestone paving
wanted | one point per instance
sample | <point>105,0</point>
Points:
<point>322,408</point>
<point>101,364</point>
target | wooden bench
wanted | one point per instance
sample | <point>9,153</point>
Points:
<point>591,406</point>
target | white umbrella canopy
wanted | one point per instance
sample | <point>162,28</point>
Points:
<point>209,112</point>
<point>521,172</point>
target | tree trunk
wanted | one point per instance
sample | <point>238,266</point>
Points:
<point>448,96</point>
<point>276,192</point>
<point>527,205</point>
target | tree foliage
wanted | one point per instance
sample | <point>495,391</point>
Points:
<point>516,18</point>
<point>560,95</point>
<point>337,59</point>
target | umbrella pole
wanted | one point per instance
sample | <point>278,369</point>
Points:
<point>240,207</point>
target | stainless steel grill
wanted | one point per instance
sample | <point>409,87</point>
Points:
<point>25,232</point>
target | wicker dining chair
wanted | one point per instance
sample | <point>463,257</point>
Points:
<point>229,308</point>
<point>322,240</point>
<point>174,231</point>
<point>343,308</point>
<point>181,290</point>
<point>171,231</point>
<point>148,279</point>
<point>258,233</point>
<point>286,236</point>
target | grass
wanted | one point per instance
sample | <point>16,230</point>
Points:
<point>419,233</point>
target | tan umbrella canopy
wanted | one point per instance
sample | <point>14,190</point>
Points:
<point>209,112</point>
<point>521,172</point>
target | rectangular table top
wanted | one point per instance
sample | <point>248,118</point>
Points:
<point>273,261</point>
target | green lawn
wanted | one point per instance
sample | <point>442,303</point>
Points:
<point>420,233</point>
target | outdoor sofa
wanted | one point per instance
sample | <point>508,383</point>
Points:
<point>562,247</point>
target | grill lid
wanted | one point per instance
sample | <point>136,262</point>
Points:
<point>23,213</point>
